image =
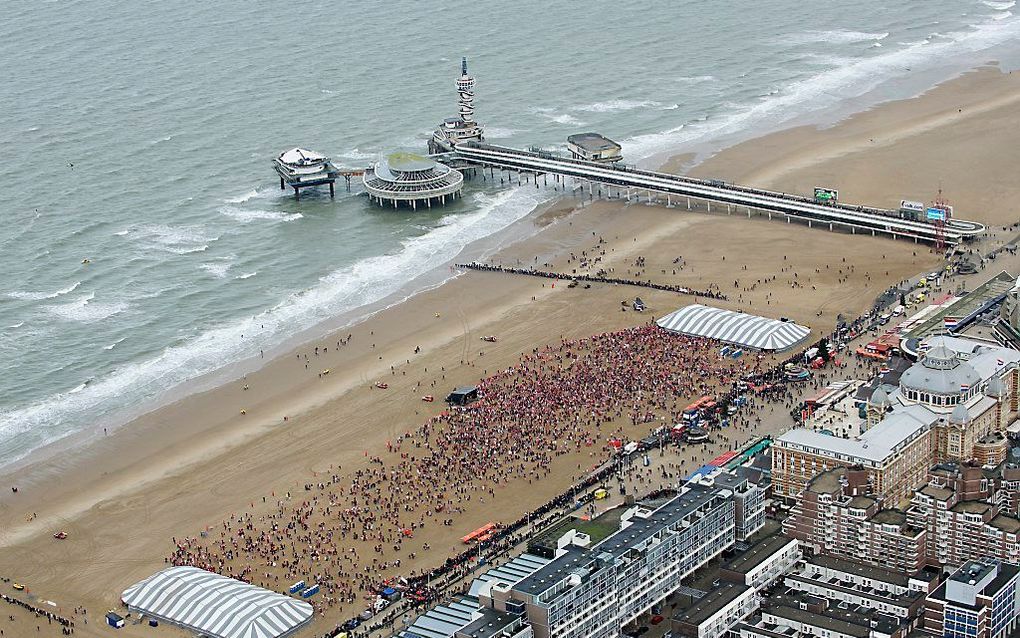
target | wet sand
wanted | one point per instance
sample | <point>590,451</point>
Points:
<point>194,463</point>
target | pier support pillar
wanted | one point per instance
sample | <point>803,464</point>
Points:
<point>331,192</point>
<point>872,232</point>
<point>770,215</point>
<point>853,230</point>
<point>428,202</point>
<point>688,203</point>
<point>749,213</point>
<point>297,193</point>
<point>787,219</point>
<point>394,203</point>
<point>809,223</point>
<point>669,204</point>
<point>414,204</point>
<point>830,225</point>
<point>729,209</point>
<point>444,200</point>
<point>282,187</point>
<point>709,205</point>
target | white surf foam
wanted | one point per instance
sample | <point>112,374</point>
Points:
<point>114,344</point>
<point>614,106</point>
<point>695,79</point>
<point>563,118</point>
<point>179,240</point>
<point>84,309</point>
<point>348,288</point>
<point>359,155</point>
<point>36,296</point>
<point>246,215</point>
<point>240,199</point>
<point>16,325</point>
<point>1002,16</point>
<point>835,36</point>
<point>216,269</point>
<point>999,6</point>
<point>247,275</point>
<point>828,88</point>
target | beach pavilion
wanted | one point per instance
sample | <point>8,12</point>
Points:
<point>735,328</point>
<point>216,606</point>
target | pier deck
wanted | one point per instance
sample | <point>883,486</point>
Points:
<point>856,219</point>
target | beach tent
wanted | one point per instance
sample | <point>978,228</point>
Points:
<point>463,395</point>
<point>735,328</point>
<point>216,606</point>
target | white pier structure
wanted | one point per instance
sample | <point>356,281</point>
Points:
<point>679,190</point>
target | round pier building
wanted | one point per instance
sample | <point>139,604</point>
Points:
<point>411,180</point>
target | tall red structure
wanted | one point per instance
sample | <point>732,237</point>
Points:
<point>942,204</point>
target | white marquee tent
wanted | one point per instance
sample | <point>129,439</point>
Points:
<point>737,328</point>
<point>215,605</point>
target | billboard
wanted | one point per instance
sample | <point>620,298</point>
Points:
<point>913,207</point>
<point>936,214</point>
<point>826,195</point>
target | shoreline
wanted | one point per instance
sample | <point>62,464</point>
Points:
<point>191,463</point>
<point>695,163</point>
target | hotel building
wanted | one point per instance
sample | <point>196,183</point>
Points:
<point>947,407</point>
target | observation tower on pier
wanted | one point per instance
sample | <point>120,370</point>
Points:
<point>462,128</point>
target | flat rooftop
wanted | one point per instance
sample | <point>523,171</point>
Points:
<point>708,605</point>
<point>858,569</point>
<point>758,553</point>
<point>593,142</point>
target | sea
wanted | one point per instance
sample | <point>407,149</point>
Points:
<point>146,244</point>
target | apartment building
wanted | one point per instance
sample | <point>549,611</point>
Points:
<point>837,516</point>
<point>980,600</point>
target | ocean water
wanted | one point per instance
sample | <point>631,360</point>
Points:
<point>140,138</point>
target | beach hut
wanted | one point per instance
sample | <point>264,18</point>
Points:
<point>114,620</point>
<point>463,395</point>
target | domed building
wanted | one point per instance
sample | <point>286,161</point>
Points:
<point>410,179</point>
<point>948,407</point>
<point>940,381</point>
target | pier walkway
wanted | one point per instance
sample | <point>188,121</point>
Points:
<point>737,199</point>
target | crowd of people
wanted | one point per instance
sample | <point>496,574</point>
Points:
<point>66,625</point>
<point>351,532</point>
<point>599,277</point>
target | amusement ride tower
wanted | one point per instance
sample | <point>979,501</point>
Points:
<point>463,128</point>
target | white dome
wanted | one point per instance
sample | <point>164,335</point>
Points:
<point>940,372</point>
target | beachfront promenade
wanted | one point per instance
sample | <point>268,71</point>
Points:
<point>680,190</point>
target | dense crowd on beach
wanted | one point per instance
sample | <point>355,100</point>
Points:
<point>349,532</point>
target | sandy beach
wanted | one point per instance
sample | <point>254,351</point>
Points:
<point>195,463</point>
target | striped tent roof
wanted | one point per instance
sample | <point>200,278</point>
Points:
<point>215,605</point>
<point>749,331</point>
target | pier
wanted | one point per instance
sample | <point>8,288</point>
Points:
<point>630,183</point>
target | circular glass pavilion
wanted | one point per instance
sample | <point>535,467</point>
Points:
<point>411,180</point>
